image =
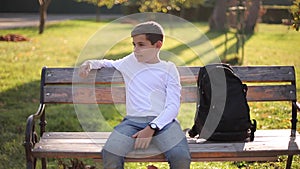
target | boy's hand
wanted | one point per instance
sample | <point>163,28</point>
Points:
<point>143,138</point>
<point>84,70</point>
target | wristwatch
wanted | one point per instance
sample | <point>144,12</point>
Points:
<point>153,126</point>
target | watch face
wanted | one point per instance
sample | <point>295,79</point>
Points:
<point>153,126</point>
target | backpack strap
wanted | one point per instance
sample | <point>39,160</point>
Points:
<point>219,65</point>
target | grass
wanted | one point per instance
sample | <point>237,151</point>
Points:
<point>65,44</point>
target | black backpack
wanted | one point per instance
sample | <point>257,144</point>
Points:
<point>222,112</point>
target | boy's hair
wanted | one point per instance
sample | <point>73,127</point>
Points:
<point>153,31</point>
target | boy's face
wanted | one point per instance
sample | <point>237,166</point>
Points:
<point>144,51</point>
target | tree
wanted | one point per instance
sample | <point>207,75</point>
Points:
<point>218,20</point>
<point>43,14</point>
<point>295,11</point>
<point>99,3</point>
<point>153,5</point>
<point>162,5</point>
<point>252,14</point>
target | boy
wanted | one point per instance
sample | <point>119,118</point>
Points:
<point>152,101</point>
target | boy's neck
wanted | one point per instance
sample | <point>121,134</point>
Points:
<point>153,61</point>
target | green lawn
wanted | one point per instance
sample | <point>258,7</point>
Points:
<point>64,44</point>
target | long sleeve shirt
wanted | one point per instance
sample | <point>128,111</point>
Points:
<point>151,89</point>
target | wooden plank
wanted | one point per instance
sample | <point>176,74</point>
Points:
<point>104,76</point>
<point>265,134</point>
<point>188,74</point>
<point>75,135</point>
<point>90,94</point>
<point>283,145</point>
<point>161,159</point>
<point>73,141</point>
<point>267,144</point>
<point>70,75</point>
<point>68,150</point>
<point>116,95</point>
<point>252,73</point>
<point>93,150</point>
<point>254,94</point>
<point>204,159</point>
<point>272,93</point>
<point>99,95</point>
<point>265,73</point>
<point>271,133</point>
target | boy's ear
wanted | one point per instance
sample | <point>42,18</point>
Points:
<point>158,44</point>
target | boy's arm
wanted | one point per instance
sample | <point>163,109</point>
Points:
<point>172,104</point>
<point>88,65</point>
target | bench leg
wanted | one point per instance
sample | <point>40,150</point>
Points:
<point>289,162</point>
<point>44,163</point>
<point>31,164</point>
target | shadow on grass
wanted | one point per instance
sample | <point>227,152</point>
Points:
<point>211,35</point>
<point>17,103</point>
<point>235,51</point>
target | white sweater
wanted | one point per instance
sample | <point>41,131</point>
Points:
<point>151,89</point>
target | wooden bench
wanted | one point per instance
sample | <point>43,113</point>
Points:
<point>63,86</point>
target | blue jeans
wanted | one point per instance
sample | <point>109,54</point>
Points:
<point>170,141</point>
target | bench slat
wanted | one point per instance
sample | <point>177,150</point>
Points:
<point>272,93</point>
<point>187,74</point>
<point>265,73</point>
<point>75,135</point>
<point>267,143</point>
<point>103,135</point>
<point>108,95</point>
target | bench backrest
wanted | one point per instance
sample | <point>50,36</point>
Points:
<point>106,86</point>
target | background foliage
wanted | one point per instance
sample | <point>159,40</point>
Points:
<point>295,10</point>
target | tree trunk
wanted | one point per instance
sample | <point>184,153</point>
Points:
<point>43,14</point>
<point>218,18</point>
<point>182,12</point>
<point>98,14</point>
<point>252,15</point>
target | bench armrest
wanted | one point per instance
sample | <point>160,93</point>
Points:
<point>31,136</point>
